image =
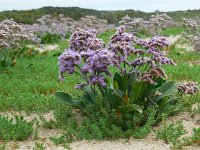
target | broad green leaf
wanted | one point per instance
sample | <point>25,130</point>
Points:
<point>120,82</point>
<point>112,99</point>
<point>167,89</point>
<point>66,98</point>
<point>117,81</point>
<point>127,108</point>
<point>137,90</point>
<point>164,102</point>
<point>118,92</point>
<point>88,99</point>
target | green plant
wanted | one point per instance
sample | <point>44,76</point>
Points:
<point>39,146</point>
<point>49,38</point>
<point>15,129</point>
<point>126,91</point>
<point>136,81</point>
<point>63,140</point>
<point>172,133</point>
<point>7,58</point>
<point>196,136</point>
<point>2,146</point>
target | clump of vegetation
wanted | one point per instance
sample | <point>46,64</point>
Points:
<point>15,129</point>
<point>153,26</point>
<point>39,146</point>
<point>173,133</point>
<point>193,34</point>
<point>12,36</point>
<point>117,101</point>
<point>49,38</point>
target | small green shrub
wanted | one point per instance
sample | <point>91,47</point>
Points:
<point>174,132</point>
<point>48,38</point>
<point>39,146</point>
<point>7,58</point>
<point>196,136</point>
<point>15,129</point>
<point>63,140</point>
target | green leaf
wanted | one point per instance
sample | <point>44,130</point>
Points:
<point>164,102</point>
<point>167,89</point>
<point>118,92</point>
<point>112,99</point>
<point>120,82</point>
<point>127,108</point>
<point>137,91</point>
<point>66,98</point>
<point>88,99</point>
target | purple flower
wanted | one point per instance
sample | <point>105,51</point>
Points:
<point>158,41</point>
<point>80,86</point>
<point>82,40</point>
<point>159,57</point>
<point>97,80</point>
<point>86,54</point>
<point>100,61</point>
<point>67,62</point>
<point>140,61</point>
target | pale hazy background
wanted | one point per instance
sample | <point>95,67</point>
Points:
<point>144,5</point>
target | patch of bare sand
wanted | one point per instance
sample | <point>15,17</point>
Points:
<point>175,40</point>
<point>42,48</point>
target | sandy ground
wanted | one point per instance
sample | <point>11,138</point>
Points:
<point>186,46</point>
<point>149,143</point>
<point>43,48</point>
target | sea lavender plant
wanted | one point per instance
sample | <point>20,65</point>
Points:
<point>159,22</point>
<point>12,33</point>
<point>155,24</point>
<point>138,77</point>
<point>188,88</point>
<point>135,25</point>
<point>193,34</point>
<point>63,26</point>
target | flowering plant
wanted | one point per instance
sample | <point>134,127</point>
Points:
<point>138,81</point>
<point>11,36</point>
<point>154,25</point>
<point>194,35</point>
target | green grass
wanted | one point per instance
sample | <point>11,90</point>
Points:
<point>15,129</point>
<point>173,31</point>
<point>106,35</point>
<point>31,84</point>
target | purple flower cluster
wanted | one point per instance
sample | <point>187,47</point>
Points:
<point>82,40</point>
<point>193,27</point>
<point>158,41</point>
<point>140,61</point>
<point>97,80</point>
<point>67,62</point>
<point>11,34</point>
<point>160,58</point>
<point>127,53</point>
<point>153,25</point>
<point>188,88</point>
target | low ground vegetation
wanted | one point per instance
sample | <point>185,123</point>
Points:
<point>29,107</point>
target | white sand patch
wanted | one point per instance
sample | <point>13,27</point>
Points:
<point>133,144</point>
<point>43,48</point>
<point>47,48</point>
